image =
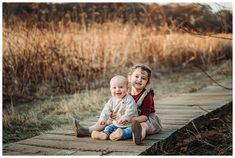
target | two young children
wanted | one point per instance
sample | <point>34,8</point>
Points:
<point>134,113</point>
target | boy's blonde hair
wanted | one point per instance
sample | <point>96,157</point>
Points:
<point>121,78</point>
<point>143,67</point>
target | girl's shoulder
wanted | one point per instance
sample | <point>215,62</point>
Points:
<point>150,91</point>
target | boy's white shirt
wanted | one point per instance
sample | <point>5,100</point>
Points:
<point>125,107</point>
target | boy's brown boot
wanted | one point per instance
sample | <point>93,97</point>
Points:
<point>136,132</point>
<point>116,135</point>
<point>79,131</point>
<point>99,135</point>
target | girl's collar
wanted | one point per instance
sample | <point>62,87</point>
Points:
<point>136,93</point>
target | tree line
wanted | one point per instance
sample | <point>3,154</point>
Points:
<point>192,16</point>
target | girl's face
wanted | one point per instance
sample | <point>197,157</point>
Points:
<point>139,79</point>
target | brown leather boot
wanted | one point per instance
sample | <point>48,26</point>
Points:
<point>136,132</point>
<point>79,131</point>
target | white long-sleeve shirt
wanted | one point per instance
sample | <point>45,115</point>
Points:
<point>126,107</point>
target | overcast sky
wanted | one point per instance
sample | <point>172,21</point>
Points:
<point>218,6</point>
<point>215,6</point>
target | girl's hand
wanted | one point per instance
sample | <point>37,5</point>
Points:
<point>134,119</point>
<point>140,119</point>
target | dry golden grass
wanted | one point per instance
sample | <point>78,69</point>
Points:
<point>66,59</point>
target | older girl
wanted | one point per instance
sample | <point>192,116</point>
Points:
<point>147,122</point>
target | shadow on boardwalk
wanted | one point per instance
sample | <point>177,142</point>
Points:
<point>175,112</point>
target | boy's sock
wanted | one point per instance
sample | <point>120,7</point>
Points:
<point>79,130</point>
<point>136,132</point>
<point>116,135</point>
<point>99,135</point>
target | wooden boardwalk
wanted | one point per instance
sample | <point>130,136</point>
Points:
<point>175,112</point>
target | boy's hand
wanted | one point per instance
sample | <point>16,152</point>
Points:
<point>113,115</point>
<point>122,121</point>
<point>100,123</point>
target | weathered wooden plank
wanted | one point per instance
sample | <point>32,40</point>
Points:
<point>175,116</point>
<point>162,135</point>
<point>88,153</point>
<point>186,110</point>
<point>89,145</point>
<point>185,106</point>
<point>115,153</point>
<point>194,102</point>
<point>180,112</point>
<point>21,149</point>
<point>12,153</point>
<point>175,119</point>
<point>62,132</point>
<point>208,95</point>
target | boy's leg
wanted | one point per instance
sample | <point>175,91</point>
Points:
<point>116,135</point>
<point>103,135</point>
<point>127,133</point>
<point>99,135</point>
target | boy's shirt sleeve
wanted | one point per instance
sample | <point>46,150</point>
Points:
<point>106,112</point>
<point>131,109</point>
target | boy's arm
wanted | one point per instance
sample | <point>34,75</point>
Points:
<point>131,110</point>
<point>106,112</point>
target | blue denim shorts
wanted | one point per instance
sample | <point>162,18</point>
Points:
<point>127,132</point>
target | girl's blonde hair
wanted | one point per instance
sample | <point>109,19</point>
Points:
<point>143,67</point>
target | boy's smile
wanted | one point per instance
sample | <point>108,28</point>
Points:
<point>118,87</point>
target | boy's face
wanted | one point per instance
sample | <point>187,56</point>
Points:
<point>139,79</point>
<point>118,88</point>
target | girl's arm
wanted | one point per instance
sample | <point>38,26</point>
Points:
<point>141,118</point>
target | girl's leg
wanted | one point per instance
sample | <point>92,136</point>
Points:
<point>96,128</point>
<point>144,128</point>
<point>81,131</point>
<point>136,132</point>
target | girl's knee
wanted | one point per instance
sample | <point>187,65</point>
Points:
<point>144,125</point>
